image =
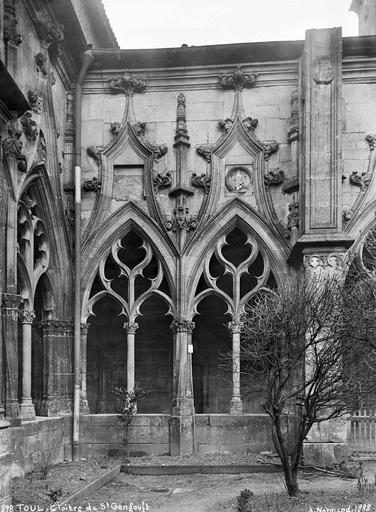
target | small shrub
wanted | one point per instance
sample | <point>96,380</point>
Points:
<point>244,501</point>
<point>54,494</point>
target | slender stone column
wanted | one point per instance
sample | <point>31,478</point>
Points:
<point>236,405</point>
<point>182,417</point>
<point>131,328</point>
<point>10,309</point>
<point>84,405</point>
<point>27,407</point>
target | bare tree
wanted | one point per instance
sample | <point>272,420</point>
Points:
<point>312,344</point>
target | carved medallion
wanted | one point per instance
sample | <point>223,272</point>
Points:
<point>238,180</point>
<point>323,71</point>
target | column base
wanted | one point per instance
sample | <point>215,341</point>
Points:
<point>236,405</point>
<point>181,435</point>
<point>27,410</point>
<point>12,409</point>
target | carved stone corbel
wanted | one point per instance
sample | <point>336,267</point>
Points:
<point>128,84</point>
<point>201,181</point>
<point>274,177</point>
<point>93,185</point>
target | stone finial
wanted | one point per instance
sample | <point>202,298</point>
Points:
<point>128,84</point>
<point>237,80</point>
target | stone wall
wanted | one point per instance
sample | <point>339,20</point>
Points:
<point>40,442</point>
<point>5,466</point>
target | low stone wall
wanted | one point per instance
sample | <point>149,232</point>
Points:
<point>37,443</point>
<point>101,434</point>
<point>225,433</point>
<point>5,466</point>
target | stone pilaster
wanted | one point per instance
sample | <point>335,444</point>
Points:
<point>10,309</point>
<point>56,363</point>
<point>182,416</point>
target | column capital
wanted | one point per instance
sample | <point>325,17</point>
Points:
<point>56,326</point>
<point>182,326</point>
<point>235,326</point>
<point>84,328</point>
<point>26,316</point>
<point>130,327</point>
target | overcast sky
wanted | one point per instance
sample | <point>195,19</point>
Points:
<point>169,23</point>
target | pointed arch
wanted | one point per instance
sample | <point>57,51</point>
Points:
<point>235,214</point>
<point>129,217</point>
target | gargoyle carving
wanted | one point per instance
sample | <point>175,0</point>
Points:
<point>115,128</point>
<point>269,147</point>
<point>205,151</point>
<point>250,123</point>
<point>95,152</point>
<point>361,180</point>
<point>226,124</point>
<point>12,145</point>
<point>29,127</point>
<point>93,185</point>
<point>273,178</point>
<point>41,61</point>
<point>201,181</point>
<point>161,181</point>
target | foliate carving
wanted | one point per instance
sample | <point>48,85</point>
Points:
<point>292,218</point>
<point>205,151</point>
<point>36,103</point>
<point>182,326</point>
<point>250,123</point>
<point>371,139</point>
<point>128,84</point>
<point>95,152</point>
<point>201,181</point>
<point>69,114</point>
<point>237,80</point>
<point>162,181</point>
<point>158,150</point>
<point>29,127</point>
<point>41,61</point>
<point>323,70</point>
<point>52,78</point>
<point>42,148</point>
<point>330,263</point>
<point>238,180</point>
<point>235,326</point>
<point>115,128</point>
<point>269,147</point>
<point>181,220</point>
<point>274,177</point>
<point>93,185</point>
<point>361,180</point>
<point>12,301</point>
<point>131,327</point>
<point>57,327</point>
<point>26,316</point>
<point>347,214</point>
<point>225,125</point>
<point>12,145</point>
<point>10,23</point>
<point>49,31</point>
